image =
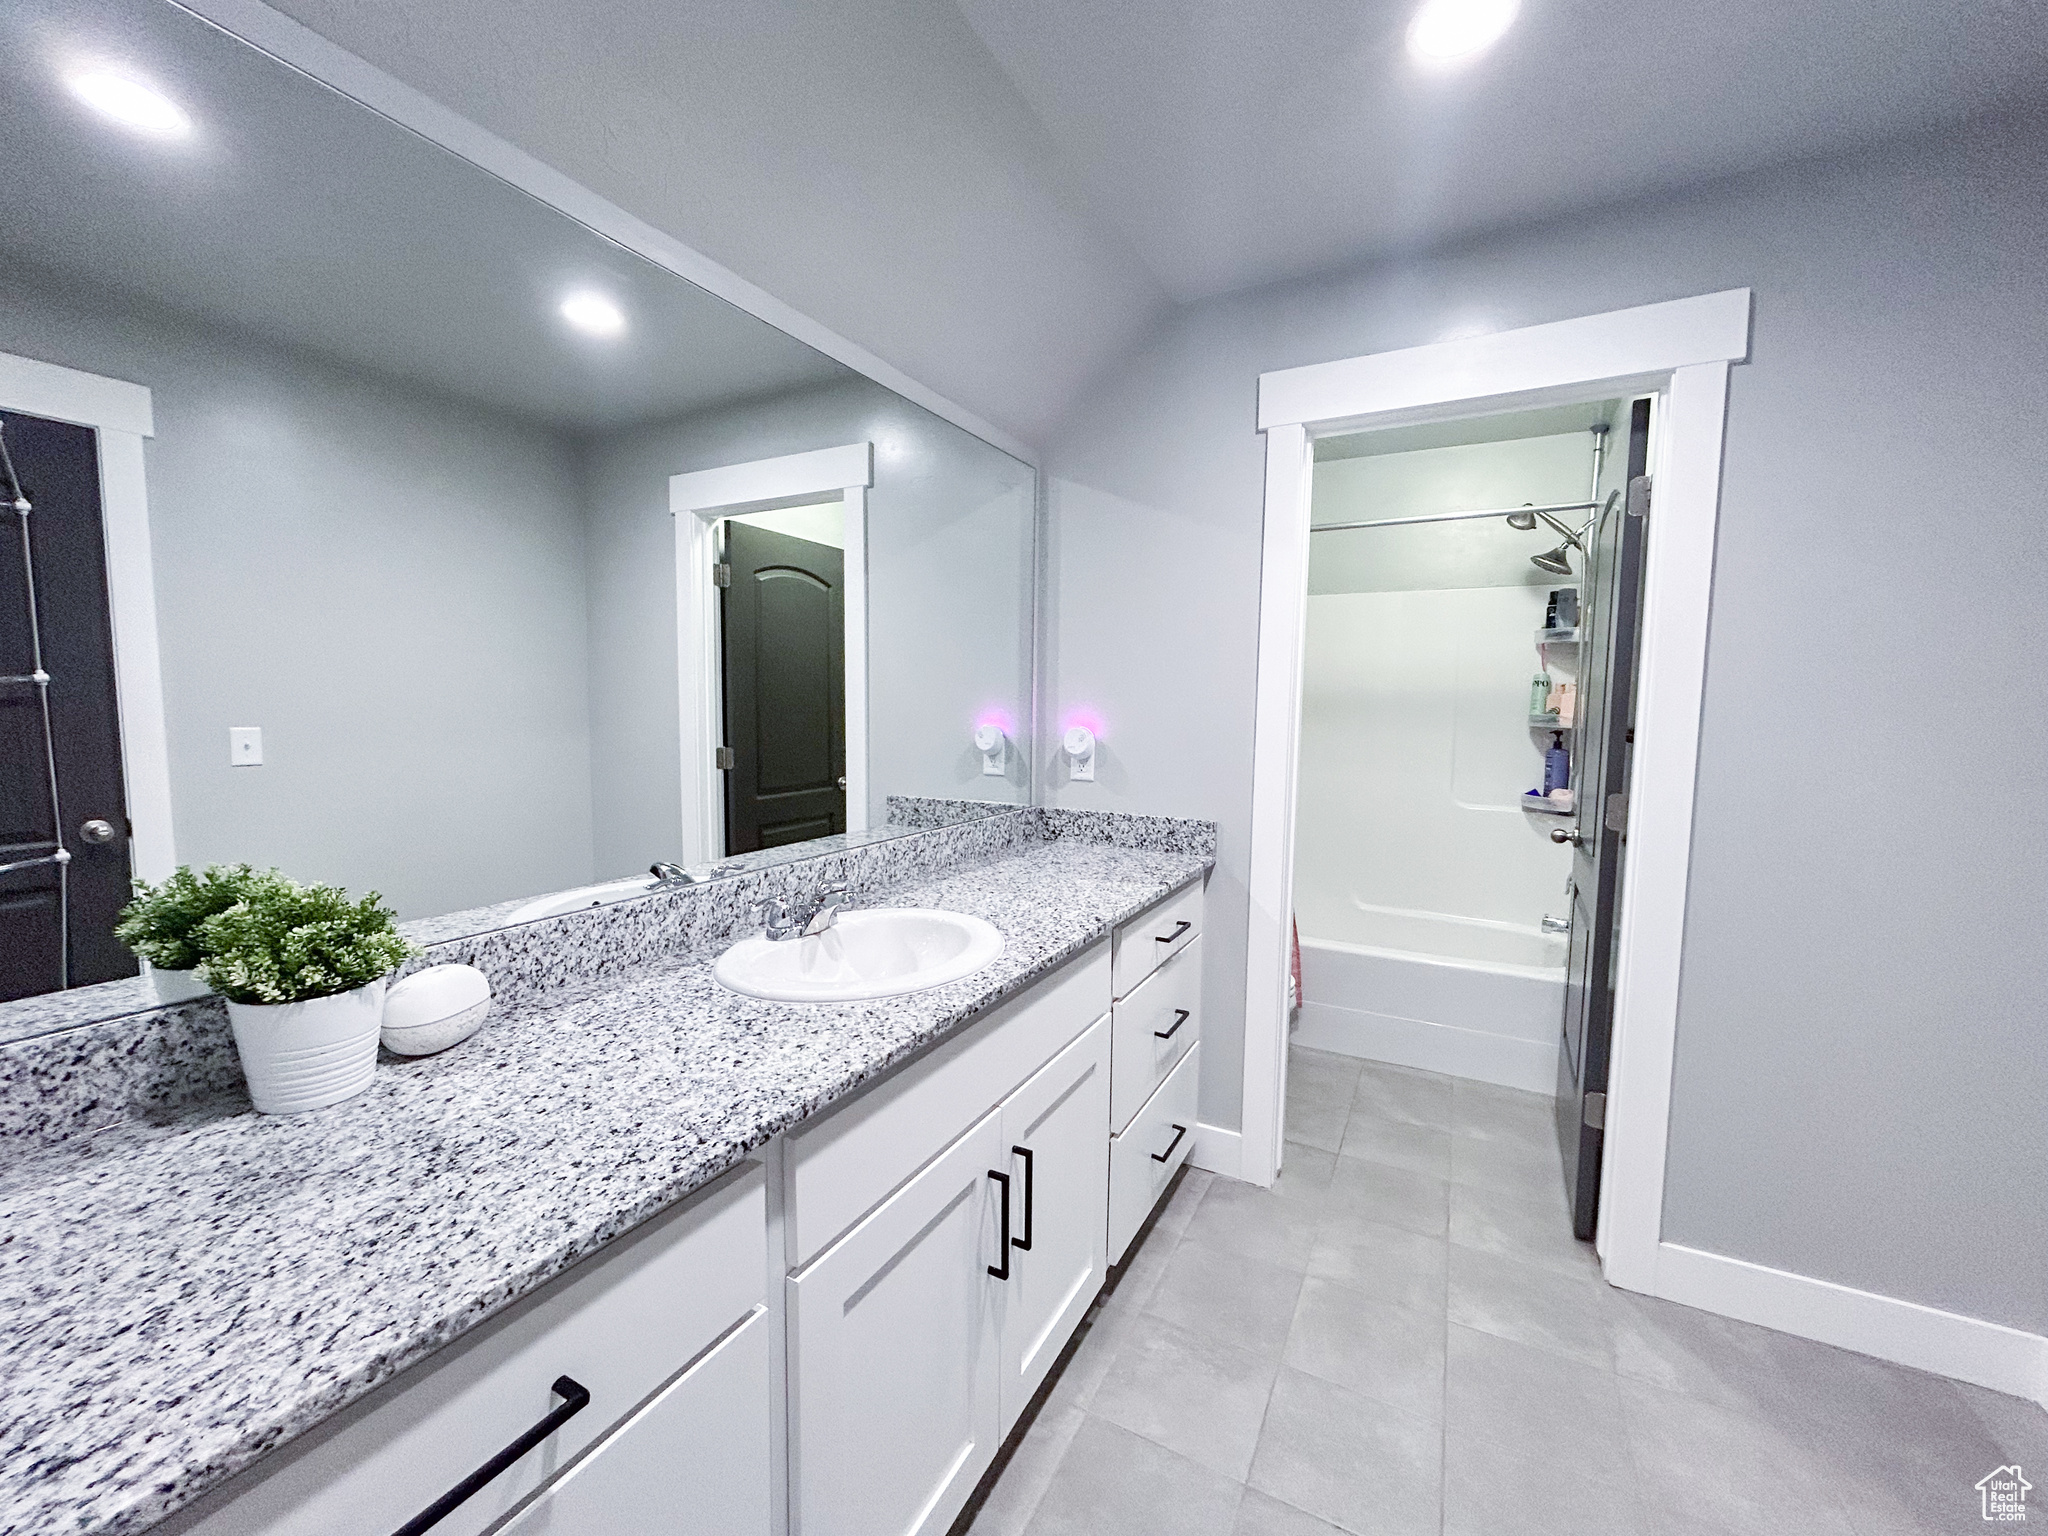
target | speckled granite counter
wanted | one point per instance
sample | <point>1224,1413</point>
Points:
<point>178,1298</point>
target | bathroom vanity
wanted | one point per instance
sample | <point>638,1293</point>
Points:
<point>710,1263</point>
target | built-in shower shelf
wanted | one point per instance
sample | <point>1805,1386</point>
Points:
<point>1542,805</point>
<point>1548,723</point>
<point>1557,636</point>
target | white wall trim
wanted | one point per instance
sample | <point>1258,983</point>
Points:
<point>332,65</point>
<point>121,416</point>
<point>1644,343</point>
<point>1218,1150</point>
<point>1276,738</point>
<point>1682,348</point>
<point>1904,1332</point>
<point>698,500</point>
<point>56,393</point>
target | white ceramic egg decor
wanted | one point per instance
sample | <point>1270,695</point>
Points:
<point>433,1009</point>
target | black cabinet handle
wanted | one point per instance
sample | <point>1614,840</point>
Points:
<point>1024,1242</point>
<point>575,1398</point>
<point>1002,1271</point>
<point>1178,1132</point>
<point>1179,928</point>
<point>1180,1017</point>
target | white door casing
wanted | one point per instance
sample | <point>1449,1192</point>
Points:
<point>698,500</point>
<point>1680,350</point>
<point>121,416</point>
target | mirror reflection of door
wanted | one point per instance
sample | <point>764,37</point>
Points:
<point>61,783</point>
<point>783,681</point>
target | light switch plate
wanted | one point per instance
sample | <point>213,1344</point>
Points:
<point>245,746</point>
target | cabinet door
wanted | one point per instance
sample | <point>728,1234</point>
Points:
<point>1056,1135</point>
<point>693,1462</point>
<point>894,1370</point>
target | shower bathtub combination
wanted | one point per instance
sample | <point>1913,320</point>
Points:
<point>1463,996</point>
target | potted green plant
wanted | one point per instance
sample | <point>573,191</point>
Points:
<point>161,924</point>
<point>303,970</point>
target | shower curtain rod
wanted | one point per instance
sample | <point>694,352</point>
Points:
<point>1451,517</point>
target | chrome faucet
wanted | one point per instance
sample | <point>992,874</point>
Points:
<point>666,873</point>
<point>782,920</point>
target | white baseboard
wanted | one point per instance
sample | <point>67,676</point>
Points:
<point>1218,1150</point>
<point>1469,1053</point>
<point>1904,1332</point>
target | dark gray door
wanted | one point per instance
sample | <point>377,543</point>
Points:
<point>1610,596</point>
<point>784,629</point>
<point>61,787</point>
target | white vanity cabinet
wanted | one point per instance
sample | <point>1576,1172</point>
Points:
<point>920,1331</point>
<point>663,1328</point>
<point>833,1341</point>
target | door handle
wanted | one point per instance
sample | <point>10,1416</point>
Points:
<point>1567,835</point>
<point>1180,1017</point>
<point>1178,1132</point>
<point>1179,928</point>
<point>1001,1271</point>
<point>1030,1180</point>
<point>575,1398</point>
<point>96,831</point>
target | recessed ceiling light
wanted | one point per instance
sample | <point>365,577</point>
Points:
<point>130,103</point>
<point>594,314</point>
<point>1446,30</point>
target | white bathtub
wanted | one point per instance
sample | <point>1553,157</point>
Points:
<point>1462,996</point>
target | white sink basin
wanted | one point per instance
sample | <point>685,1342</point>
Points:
<point>583,896</point>
<point>877,952</point>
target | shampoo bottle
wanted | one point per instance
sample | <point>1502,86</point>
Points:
<point>1557,764</point>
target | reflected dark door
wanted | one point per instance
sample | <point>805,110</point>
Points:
<point>784,620</point>
<point>1610,593</point>
<point>60,777</point>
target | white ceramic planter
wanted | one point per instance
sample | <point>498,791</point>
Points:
<point>300,1056</point>
<point>177,986</point>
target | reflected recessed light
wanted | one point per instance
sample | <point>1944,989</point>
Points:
<point>130,103</point>
<point>593,314</point>
<point>1444,30</point>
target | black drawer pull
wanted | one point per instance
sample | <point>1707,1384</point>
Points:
<point>1180,1017</point>
<point>1024,1242</point>
<point>1178,1132</point>
<point>575,1398</point>
<point>1179,928</point>
<point>1002,1271</point>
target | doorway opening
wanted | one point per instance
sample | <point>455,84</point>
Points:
<point>782,675</point>
<point>1676,355</point>
<point>771,657</point>
<point>1468,667</point>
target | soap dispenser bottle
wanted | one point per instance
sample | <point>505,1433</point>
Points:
<point>1557,764</point>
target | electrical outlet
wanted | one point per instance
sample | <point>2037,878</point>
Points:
<point>245,746</point>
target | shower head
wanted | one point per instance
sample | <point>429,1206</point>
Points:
<point>1556,561</point>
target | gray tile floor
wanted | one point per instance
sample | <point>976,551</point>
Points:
<point>1401,1337</point>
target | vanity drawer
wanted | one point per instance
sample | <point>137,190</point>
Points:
<point>1152,938</point>
<point>620,1324</point>
<point>1156,1025</point>
<point>1142,1160</point>
<point>849,1161</point>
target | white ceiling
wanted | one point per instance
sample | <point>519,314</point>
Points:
<point>296,216</point>
<point>1234,144</point>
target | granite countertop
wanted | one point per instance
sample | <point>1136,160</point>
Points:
<point>176,1299</point>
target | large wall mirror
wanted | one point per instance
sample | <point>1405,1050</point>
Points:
<point>474,559</point>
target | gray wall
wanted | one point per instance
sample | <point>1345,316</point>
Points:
<point>388,583</point>
<point>949,590</point>
<point>1861,1088</point>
